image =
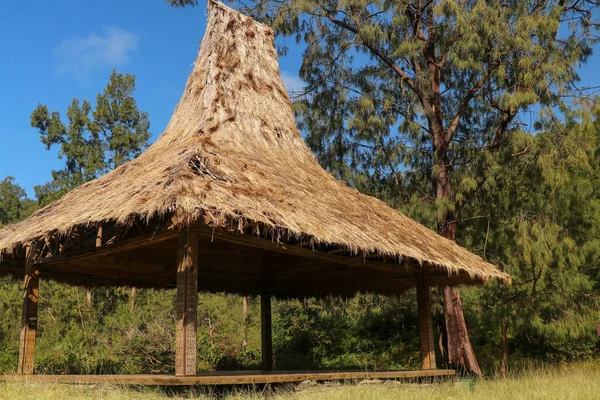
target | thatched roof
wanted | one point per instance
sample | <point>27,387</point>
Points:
<point>232,155</point>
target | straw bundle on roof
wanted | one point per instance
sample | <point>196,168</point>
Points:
<point>233,154</point>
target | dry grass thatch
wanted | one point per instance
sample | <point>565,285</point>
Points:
<point>232,152</point>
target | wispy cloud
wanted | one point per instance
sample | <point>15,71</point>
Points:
<point>79,57</point>
<point>292,83</point>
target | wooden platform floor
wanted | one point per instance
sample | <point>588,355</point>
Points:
<point>225,377</point>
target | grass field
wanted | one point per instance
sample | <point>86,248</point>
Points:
<point>581,381</point>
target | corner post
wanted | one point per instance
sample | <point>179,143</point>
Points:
<point>30,312</point>
<point>187,303</point>
<point>266,332</point>
<point>425,323</point>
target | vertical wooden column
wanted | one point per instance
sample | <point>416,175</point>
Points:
<point>266,332</point>
<point>245,321</point>
<point>187,303</point>
<point>30,312</point>
<point>425,323</point>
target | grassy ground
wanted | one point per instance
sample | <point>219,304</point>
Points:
<point>581,381</point>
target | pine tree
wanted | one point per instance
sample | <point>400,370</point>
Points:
<point>93,141</point>
<point>538,221</point>
<point>14,204</point>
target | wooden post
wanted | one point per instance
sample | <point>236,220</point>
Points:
<point>266,332</point>
<point>30,312</point>
<point>245,321</point>
<point>88,292</point>
<point>99,236</point>
<point>425,324</point>
<point>187,303</point>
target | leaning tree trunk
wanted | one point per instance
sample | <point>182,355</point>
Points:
<point>460,350</point>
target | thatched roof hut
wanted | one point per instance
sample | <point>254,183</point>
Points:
<point>232,169</point>
<point>231,157</point>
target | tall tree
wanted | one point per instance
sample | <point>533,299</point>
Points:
<point>431,88</point>
<point>95,140</point>
<point>14,204</point>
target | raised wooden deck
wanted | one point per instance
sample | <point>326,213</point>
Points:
<point>226,377</point>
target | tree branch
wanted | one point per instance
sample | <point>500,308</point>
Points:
<point>378,52</point>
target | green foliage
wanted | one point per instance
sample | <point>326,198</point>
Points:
<point>10,306</point>
<point>365,332</point>
<point>8,360</point>
<point>538,221</point>
<point>14,204</point>
<point>93,141</point>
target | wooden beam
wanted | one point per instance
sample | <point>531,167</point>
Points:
<point>83,273</point>
<point>9,266</point>
<point>30,312</point>
<point>130,244</point>
<point>338,282</point>
<point>262,243</point>
<point>425,324</point>
<point>99,235</point>
<point>212,378</point>
<point>187,303</point>
<point>266,333</point>
<point>101,281</point>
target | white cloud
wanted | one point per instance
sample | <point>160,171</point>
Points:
<point>292,83</point>
<point>79,57</point>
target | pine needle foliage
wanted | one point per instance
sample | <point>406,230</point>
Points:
<point>93,140</point>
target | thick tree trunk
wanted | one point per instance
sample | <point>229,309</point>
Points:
<point>460,351</point>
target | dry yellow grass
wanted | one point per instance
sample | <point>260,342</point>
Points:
<point>232,156</point>
<point>581,381</point>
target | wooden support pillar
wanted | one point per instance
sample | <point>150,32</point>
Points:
<point>187,303</point>
<point>30,312</point>
<point>266,332</point>
<point>88,291</point>
<point>245,321</point>
<point>425,324</point>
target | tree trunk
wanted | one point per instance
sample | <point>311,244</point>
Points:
<point>245,321</point>
<point>460,351</point>
<point>504,361</point>
<point>132,298</point>
<point>89,297</point>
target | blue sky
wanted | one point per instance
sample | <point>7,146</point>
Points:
<point>53,51</point>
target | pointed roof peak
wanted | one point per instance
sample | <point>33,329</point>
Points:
<point>236,74</point>
<point>214,5</point>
